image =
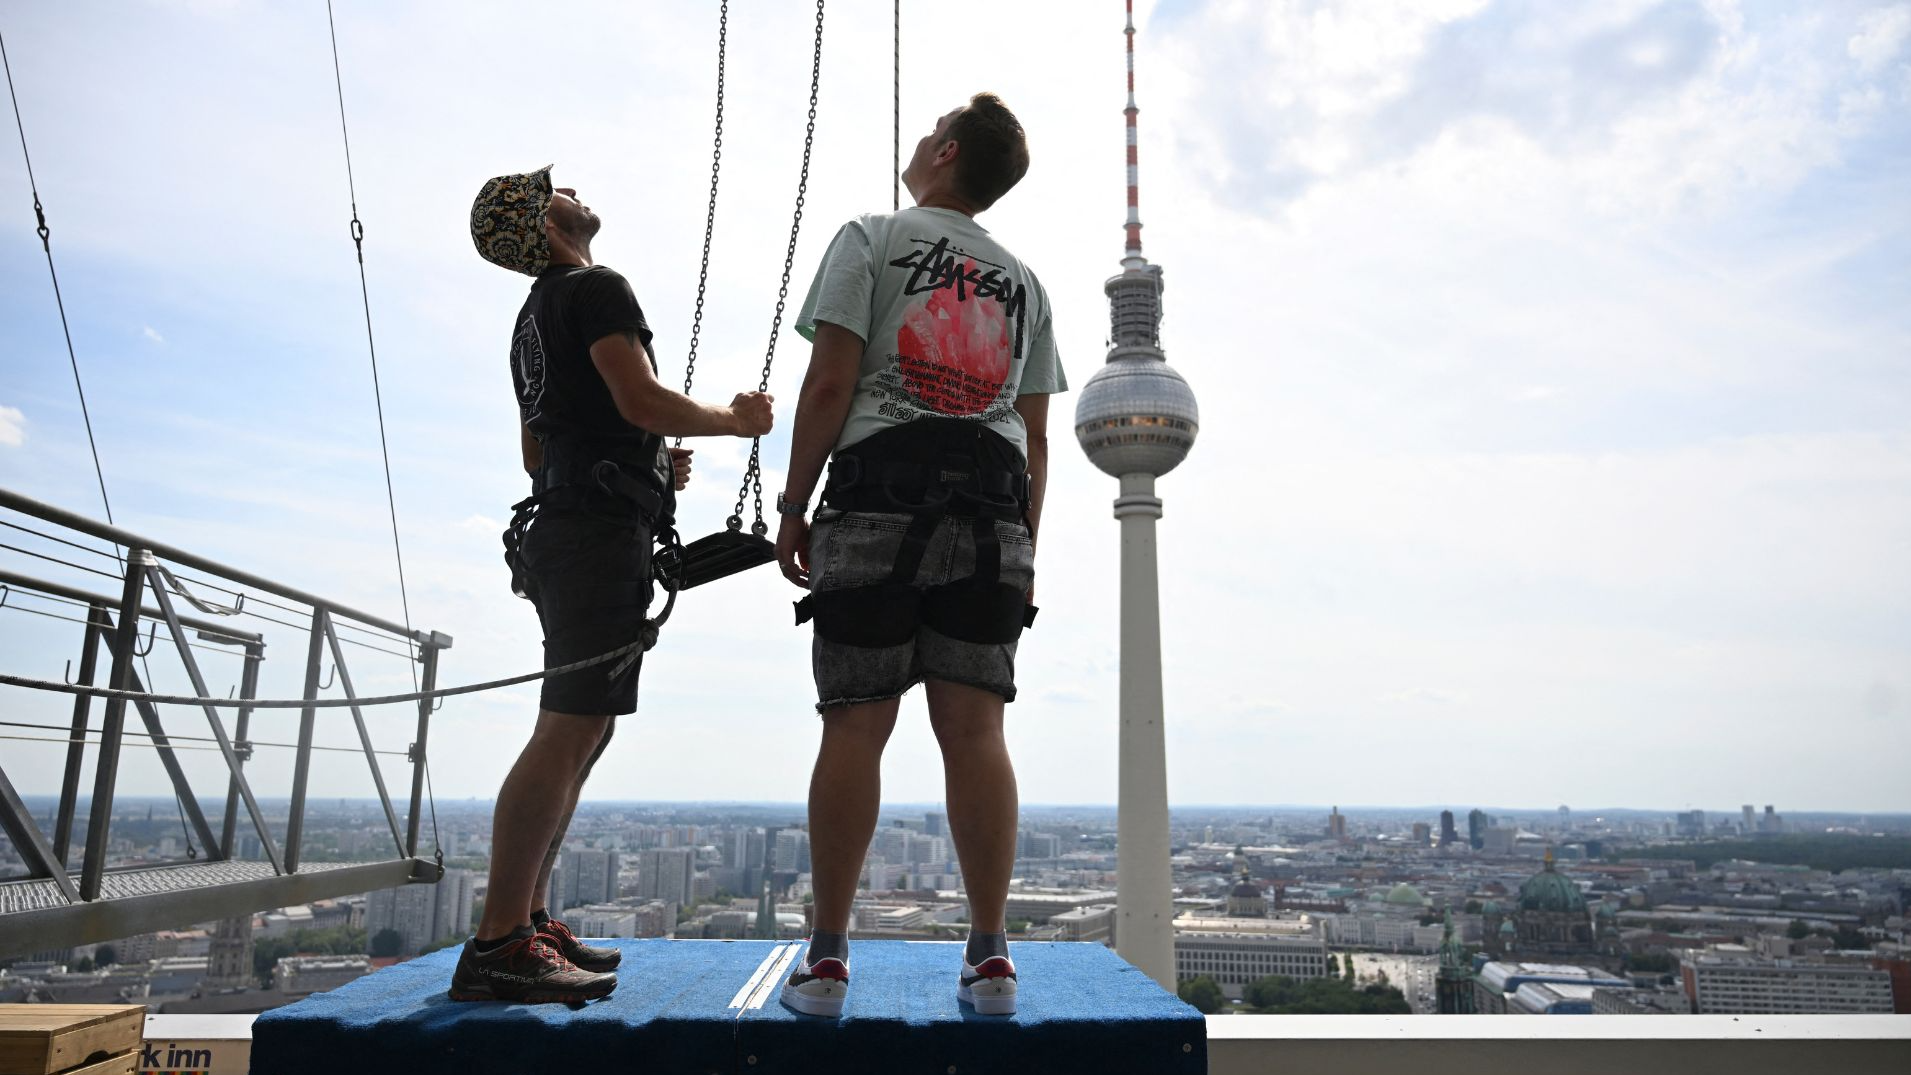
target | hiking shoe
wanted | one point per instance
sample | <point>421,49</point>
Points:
<point>593,958</point>
<point>819,988</point>
<point>525,970</point>
<point>989,987</point>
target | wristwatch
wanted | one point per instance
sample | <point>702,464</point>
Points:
<point>786,506</point>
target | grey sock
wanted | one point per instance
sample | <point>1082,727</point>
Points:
<point>984,946</point>
<point>827,945</point>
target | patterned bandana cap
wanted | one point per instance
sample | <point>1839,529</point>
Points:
<point>507,221</point>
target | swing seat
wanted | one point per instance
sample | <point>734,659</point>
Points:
<point>721,555</point>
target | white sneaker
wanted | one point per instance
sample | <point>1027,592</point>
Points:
<point>989,987</point>
<point>818,989</point>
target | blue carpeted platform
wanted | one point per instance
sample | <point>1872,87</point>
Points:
<point>687,1006</point>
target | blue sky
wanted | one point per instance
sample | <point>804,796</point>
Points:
<point>1552,361</point>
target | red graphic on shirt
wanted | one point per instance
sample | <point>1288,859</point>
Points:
<point>955,351</point>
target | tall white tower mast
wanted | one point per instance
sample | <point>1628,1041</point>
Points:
<point>1137,420</point>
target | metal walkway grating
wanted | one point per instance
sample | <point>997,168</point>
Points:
<point>34,917</point>
<point>43,894</point>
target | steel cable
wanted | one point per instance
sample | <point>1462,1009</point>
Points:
<point>46,244</point>
<point>9,679</point>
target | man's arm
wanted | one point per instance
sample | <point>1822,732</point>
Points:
<point>644,401</point>
<point>1034,412</point>
<point>528,445</point>
<point>828,386</point>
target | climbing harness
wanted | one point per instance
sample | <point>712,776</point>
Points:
<point>929,469</point>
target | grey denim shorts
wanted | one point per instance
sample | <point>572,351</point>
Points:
<point>851,549</point>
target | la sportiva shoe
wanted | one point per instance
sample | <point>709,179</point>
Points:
<point>589,957</point>
<point>989,987</point>
<point>819,988</point>
<point>526,970</point>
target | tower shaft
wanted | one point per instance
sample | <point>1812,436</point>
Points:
<point>1144,930</point>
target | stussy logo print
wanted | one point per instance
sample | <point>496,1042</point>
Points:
<point>956,347</point>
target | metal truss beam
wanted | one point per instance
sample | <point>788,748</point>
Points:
<point>33,917</point>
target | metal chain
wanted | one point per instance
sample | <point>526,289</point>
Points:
<point>753,474</point>
<point>710,214</point>
<point>895,105</point>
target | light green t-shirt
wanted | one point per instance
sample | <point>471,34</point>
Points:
<point>952,324</point>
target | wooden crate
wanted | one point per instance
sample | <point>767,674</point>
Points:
<point>44,1039</point>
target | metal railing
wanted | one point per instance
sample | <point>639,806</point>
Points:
<point>113,626</point>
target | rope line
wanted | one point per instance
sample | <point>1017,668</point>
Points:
<point>365,296</point>
<point>36,554</point>
<point>8,679</point>
<point>200,646</point>
<point>46,244</point>
<point>56,537</point>
<point>172,738</point>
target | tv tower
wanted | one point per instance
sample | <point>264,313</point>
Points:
<point>1136,419</point>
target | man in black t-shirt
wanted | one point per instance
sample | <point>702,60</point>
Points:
<point>593,422</point>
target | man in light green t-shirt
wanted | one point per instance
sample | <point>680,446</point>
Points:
<point>927,396</point>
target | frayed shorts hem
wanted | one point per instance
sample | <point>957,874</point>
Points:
<point>837,703</point>
<point>1007,695</point>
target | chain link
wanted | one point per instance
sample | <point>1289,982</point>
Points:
<point>710,214</point>
<point>753,475</point>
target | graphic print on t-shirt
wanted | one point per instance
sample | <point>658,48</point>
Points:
<point>961,333</point>
<point>527,358</point>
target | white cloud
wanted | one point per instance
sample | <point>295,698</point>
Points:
<point>13,427</point>
<point>1881,34</point>
<point>152,334</point>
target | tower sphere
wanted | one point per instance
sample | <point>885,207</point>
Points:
<point>1136,415</point>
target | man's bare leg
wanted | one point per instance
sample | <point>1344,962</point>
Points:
<point>845,793</point>
<point>980,793</point>
<point>543,887</point>
<point>527,817</point>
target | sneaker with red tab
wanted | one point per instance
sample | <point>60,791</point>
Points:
<point>590,957</point>
<point>526,970</point>
<point>990,988</point>
<point>818,988</point>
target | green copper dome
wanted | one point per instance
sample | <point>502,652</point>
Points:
<point>1405,894</point>
<point>1548,891</point>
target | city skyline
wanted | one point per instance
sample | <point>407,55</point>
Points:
<point>319,803</point>
<point>1552,433</point>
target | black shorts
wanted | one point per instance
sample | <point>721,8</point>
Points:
<point>589,576</point>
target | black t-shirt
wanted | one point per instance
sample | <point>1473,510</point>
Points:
<point>559,389</point>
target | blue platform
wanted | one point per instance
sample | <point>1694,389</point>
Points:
<point>711,1007</point>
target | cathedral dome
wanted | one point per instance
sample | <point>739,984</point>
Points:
<point>1547,890</point>
<point>1405,895</point>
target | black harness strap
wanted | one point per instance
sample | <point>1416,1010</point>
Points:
<point>930,470</point>
<point>573,476</point>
